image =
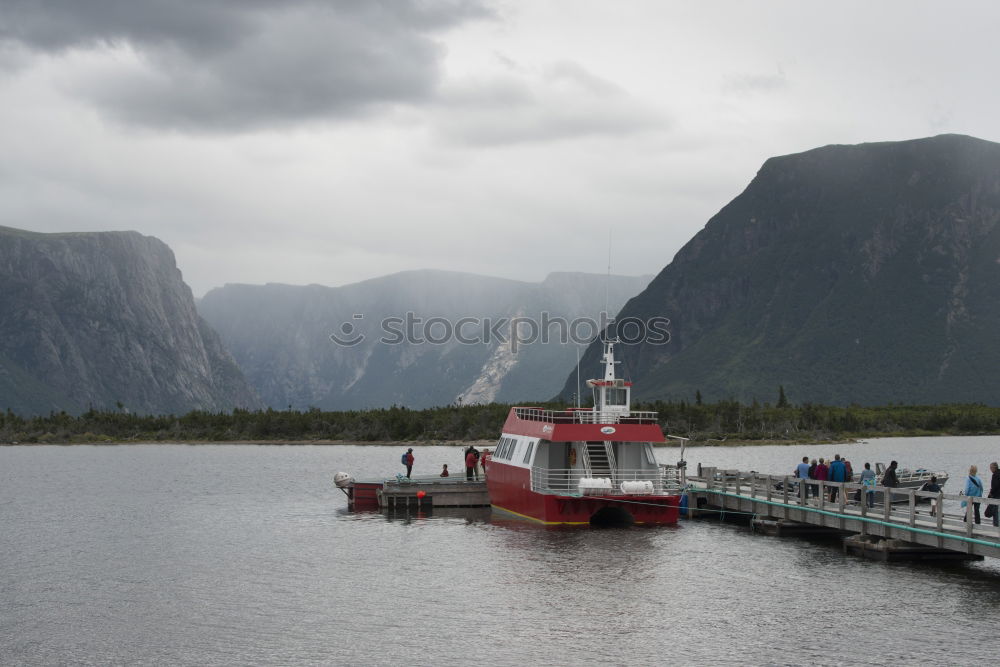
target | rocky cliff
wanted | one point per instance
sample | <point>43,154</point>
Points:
<point>280,336</point>
<point>102,319</point>
<point>866,274</point>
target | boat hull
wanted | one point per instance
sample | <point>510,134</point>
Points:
<point>510,491</point>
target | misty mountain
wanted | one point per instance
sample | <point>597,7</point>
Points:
<point>866,274</point>
<point>280,335</point>
<point>98,319</point>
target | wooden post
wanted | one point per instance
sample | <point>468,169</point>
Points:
<point>969,516</point>
<point>842,503</point>
<point>940,511</point>
<point>864,510</point>
<point>887,502</point>
<point>784,495</point>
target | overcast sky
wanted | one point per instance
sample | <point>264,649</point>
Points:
<point>305,141</point>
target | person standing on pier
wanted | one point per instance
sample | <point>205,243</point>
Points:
<point>822,473</point>
<point>995,492</point>
<point>802,472</point>
<point>812,475</point>
<point>470,464</point>
<point>409,462</point>
<point>973,489</point>
<point>932,487</point>
<point>889,478</point>
<point>838,473</point>
<point>868,482</point>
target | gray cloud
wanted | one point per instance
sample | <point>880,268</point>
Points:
<point>563,101</point>
<point>220,64</point>
<point>747,84</point>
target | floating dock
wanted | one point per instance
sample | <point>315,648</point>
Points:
<point>416,493</point>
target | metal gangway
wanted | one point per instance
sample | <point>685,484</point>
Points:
<point>930,519</point>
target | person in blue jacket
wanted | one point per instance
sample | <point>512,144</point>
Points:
<point>973,489</point>
<point>837,473</point>
<point>802,472</point>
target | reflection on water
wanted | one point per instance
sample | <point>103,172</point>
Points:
<point>237,555</point>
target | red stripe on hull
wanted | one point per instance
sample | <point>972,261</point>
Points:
<point>510,490</point>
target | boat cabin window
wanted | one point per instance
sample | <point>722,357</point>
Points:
<point>650,456</point>
<point>505,450</point>
<point>527,454</point>
<point>616,396</point>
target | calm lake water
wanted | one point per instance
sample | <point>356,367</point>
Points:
<point>241,554</point>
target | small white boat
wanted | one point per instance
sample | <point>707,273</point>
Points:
<point>911,479</point>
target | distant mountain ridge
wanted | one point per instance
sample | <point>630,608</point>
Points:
<point>280,336</point>
<point>101,319</point>
<point>866,274</point>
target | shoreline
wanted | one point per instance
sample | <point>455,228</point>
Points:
<point>670,442</point>
<point>481,444</point>
<point>280,443</point>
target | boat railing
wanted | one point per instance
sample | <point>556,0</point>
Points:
<point>917,476</point>
<point>585,416</point>
<point>566,481</point>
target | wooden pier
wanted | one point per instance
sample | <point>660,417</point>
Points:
<point>887,531</point>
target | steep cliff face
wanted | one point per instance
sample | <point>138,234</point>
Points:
<point>866,273</point>
<point>280,336</point>
<point>99,319</point>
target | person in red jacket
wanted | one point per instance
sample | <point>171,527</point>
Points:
<point>409,461</point>
<point>470,464</point>
<point>822,472</point>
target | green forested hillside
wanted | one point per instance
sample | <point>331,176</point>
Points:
<point>726,421</point>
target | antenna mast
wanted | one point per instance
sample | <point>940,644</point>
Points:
<point>577,376</point>
<point>607,280</point>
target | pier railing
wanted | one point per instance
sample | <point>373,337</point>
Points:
<point>896,511</point>
<point>584,416</point>
<point>567,480</point>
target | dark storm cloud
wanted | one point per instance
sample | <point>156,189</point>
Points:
<point>218,64</point>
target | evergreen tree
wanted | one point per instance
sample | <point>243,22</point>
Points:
<point>782,401</point>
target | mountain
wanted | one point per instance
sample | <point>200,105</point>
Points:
<point>98,319</point>
<point>281,337</point>
<point>867,274</point>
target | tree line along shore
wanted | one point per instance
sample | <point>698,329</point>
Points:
<point>730,422</point>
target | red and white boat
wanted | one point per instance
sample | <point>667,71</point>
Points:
<point>584,465</point>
